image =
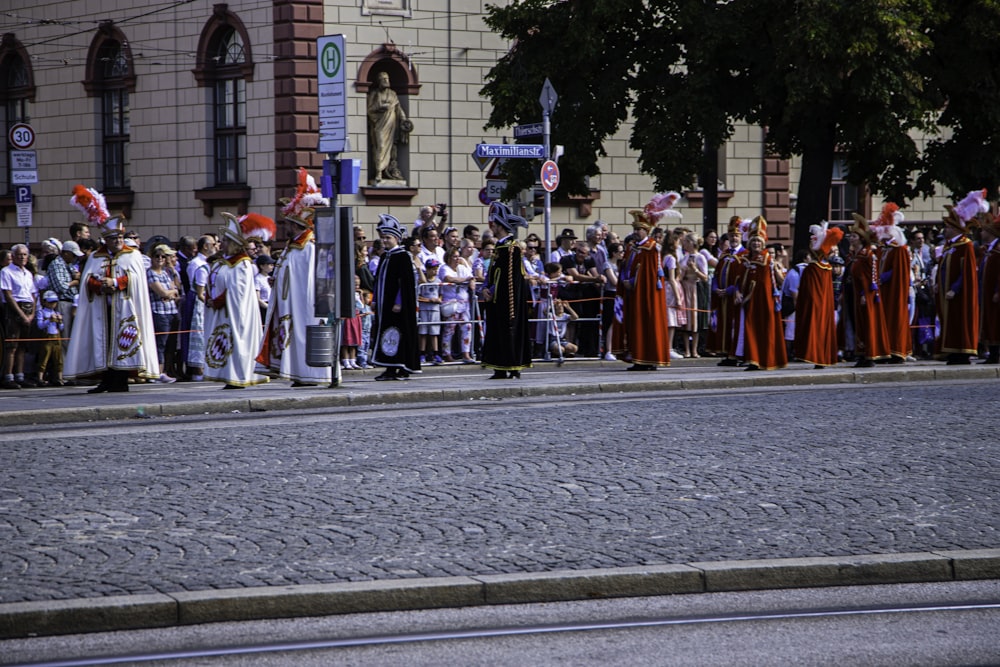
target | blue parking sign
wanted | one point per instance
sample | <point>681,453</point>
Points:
<point>22,194</point>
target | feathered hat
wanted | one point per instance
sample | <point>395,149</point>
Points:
<point>660,206</point>
<point>734,228</point>
<point>863,229</point>
<point>831,238</point>
<point>964,215</point>
<point>300,208</point>
<point>640,220</point>
<point>257,226</point>
<point>758,229</point>
<point>502,215</point>
<point>890,215</point>
<point>887,225</point>
<point>91,203</point>
<point>390,225</point>
<point>251,225</point>
<point>816,235</point>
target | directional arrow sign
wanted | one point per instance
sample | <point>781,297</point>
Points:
<point>535,151</point>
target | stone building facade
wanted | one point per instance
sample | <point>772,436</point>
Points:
<point>177,112</point>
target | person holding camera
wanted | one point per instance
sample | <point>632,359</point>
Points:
<point>431,215</point>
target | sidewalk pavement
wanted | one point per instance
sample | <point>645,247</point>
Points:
<point>51,405</point>
<point>455,383</point>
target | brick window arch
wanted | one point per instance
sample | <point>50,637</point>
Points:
<point>110,77</point>
<point>225,64</point>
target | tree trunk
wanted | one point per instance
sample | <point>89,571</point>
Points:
<point>813,204</point>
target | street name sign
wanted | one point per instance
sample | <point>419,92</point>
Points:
<point>530,130</point>
<point>534,151</point>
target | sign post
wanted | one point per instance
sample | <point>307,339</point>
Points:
<point>548,100</point>
<point>23,173</point>
<point>334,245</point>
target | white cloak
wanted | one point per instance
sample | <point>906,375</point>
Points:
<point>233,332</point>
<point>113,331</point>
<point>290,311</point>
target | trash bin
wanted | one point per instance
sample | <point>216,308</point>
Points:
<point>319,345</point>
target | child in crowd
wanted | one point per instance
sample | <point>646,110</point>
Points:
<point>429,302</point>
<point>562,313</point>
<point>554,276</point>
<point>351,332</point>
<point>366,328</point>
<point>262,283</point>
<point>50,323</point>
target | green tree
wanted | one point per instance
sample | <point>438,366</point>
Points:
<point>821,76</point>
<point>589,67</point>
<point>963,69</point>
<point>838,76</point>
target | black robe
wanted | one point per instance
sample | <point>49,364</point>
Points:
<point>394,335</point>
<point>506,344</point>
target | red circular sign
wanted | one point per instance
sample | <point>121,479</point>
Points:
<point>550,176</point>
<point>21,136</point>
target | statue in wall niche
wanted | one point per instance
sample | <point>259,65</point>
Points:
<point>388,128</point>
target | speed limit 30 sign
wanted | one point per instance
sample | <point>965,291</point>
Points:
<point>21,136</point>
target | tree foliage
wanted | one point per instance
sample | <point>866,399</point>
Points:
<point>857,78</point>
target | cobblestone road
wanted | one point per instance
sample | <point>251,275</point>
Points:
<point>498,486</point>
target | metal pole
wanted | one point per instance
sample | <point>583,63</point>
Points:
<point>548,195</point>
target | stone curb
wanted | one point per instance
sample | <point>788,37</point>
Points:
<point>59,617</point>
<point>345,397</point>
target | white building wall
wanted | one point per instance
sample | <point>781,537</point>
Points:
<point>170,124</point>
<point>171,145</point>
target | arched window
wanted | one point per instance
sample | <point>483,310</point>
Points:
<point>230,106</point>
<point>111,78</point>
<point>225,64</point>
<point>16,92</point>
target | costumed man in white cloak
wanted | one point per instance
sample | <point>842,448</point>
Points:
<point>232,315</point>
<point>113,335</point>
<point>290,309</point>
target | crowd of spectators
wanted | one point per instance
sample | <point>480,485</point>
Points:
<point>573,288</point>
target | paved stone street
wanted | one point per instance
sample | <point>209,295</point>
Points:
<point>498,486</point>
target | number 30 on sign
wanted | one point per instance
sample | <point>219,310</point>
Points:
<point>21,136</point>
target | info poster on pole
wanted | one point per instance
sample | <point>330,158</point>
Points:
<point>332,84</point>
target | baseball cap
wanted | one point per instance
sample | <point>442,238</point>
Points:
<point>73,247</point>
